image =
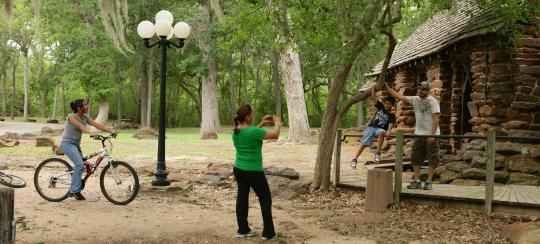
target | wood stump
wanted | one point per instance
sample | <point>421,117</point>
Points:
<point>7,201</point>
<point>379,190</point>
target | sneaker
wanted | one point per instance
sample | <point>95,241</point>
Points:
<point>353,163</point>
<point>252,233</point>
<point>266,238</point>
<point>414,185</point>
<point>77,196</point>
<point>427,185</point>
<point>377,157</point>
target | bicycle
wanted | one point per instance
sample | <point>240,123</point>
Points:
<point>52,178</point>
<point>12,180</point>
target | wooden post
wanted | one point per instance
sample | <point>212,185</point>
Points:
<point>490,174</point>
<point>398,168</point>
<point>379,189</point>
<point>337,157</point>
<point>7,201</point>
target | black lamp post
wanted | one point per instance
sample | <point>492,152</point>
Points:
<point>164,30</point>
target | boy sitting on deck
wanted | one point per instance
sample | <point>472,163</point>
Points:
<point>382,121</point>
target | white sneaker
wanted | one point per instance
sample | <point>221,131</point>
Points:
<point>252,233</point>
<point>377,157</point>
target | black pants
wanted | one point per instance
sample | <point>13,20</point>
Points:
<point>257,181</point>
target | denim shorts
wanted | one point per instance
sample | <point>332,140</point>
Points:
<point>369,134</point>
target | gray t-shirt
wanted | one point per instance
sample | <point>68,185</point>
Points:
<point>72,134</point>
<point>423,113</point>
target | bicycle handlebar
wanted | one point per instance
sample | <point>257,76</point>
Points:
<point>104,138</point>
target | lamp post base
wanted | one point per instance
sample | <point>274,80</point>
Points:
<point>160,179</point>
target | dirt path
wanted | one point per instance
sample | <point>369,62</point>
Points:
<point>21,127</point>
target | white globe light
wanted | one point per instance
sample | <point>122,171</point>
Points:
<point>164,15</point>
<point>145,29</point>
<point>181,30</point>
<point>170,36</point>
<point>163,28</point>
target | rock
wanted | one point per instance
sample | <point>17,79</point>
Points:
<point>440,170</point>
<point>285,188</point>
<point>46,131</point>
<point>523,163</point>
<point>10,135</point>
<point>52,121</point>
<point>474,174</point>
<point>3,167</point>
<point>28,136</point>
<point>448,176</point>
<point>480,162</point>
<point>508,148</point>
<point>535,151</point>
<point>470,154</point>
<point>214,178</point>
<point>523,179</point>
<point>467,182</point>
<point>501,176</point>
<point>145,133</point>
<point>44,142</point>
<point>146,170</point>
<point>180,177</point>
<point>8,142</point>
<point>522,233</point>
<point>283,172</point>
<point>476,144</point>
<point>516,124</point>
<point>458,167</point>
<point>180,186</point>
<point>217,167</point>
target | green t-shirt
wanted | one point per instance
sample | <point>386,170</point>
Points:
<point>248,143</point>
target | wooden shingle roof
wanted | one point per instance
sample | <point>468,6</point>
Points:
<point>445,28</point>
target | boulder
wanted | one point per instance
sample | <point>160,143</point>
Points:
<point>440,170</point>
<point>535,151</point>
<point>480,162</point>
<point>508,148</point>
<point>3,167</point>
<point>214,178</point>
<point>44,141</point>
<point>10,135</point>
<point>468,182</point>
<point>458,167</point>
<point>28,136</point>
<point>470,154</point>
<point>522,233</point>
<point>448,176</point>
<point>474,174</point>
<point>285,188</point>
<point>145,133</point>
<point>523,163</point>
<point>8,142</point>
<point>57,150</point>
<point>52,121</point>
<point>283,172</point>
<point>516,124</point>
<point>217,167</point>
<point>45,131</point>
<point>523,179</point>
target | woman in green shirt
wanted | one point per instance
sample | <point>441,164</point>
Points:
<point>248,169</point>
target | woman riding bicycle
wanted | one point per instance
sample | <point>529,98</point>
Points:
<point>71,142</point>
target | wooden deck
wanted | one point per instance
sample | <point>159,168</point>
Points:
<point>507,194</point>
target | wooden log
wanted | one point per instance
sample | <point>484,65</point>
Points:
<point>490,171</point>
<point>337,157</point>
<point>379,189</point>
<point>7,201</point>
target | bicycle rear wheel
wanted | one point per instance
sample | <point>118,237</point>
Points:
<point>119,182</point>
<point>52,179</point>
<point>12,180</point>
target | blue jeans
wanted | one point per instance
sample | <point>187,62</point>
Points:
<point>74,153</point>
<point>369,134</point>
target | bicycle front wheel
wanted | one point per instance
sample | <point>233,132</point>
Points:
<point>12,180</point>
<point>52,179</point>
<point>119,182</point>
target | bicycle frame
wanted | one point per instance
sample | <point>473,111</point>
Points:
<point>101,154</point>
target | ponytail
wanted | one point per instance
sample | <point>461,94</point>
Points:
<point>241,114</point>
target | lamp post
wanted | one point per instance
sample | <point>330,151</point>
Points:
<point>164,30</point>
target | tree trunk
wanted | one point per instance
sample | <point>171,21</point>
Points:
<point>42,86</point>
<point>257,67</point>
<point>149,93</point>
<point>331,117</point>
<point>360,118</point>
<point>3,79</point>
<point>210,125</point>
<point>55,101</point>
<point>294,94</point>
<point>232,86</point>
<point>14,91</point>
<point>26,84</point>
<point>63,99</point>
<point>119,107</point>
<point>144,90</point>
<point>103,113</point>
<point>277,85</point>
